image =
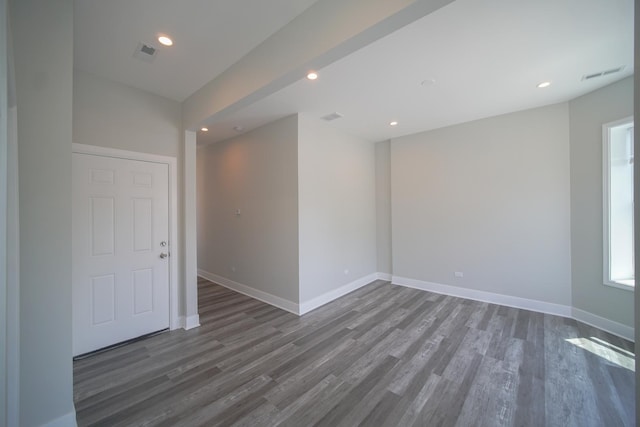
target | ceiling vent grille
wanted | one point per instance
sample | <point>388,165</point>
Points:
<point>145,52</point>
<point>332,116</point>
<point>602,73</point>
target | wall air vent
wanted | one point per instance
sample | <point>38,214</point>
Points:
<point>602,73</point>
<point>145,52</point>
<point>332,116</point>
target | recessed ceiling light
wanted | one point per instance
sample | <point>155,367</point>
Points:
<point>394,123</point>
<point>238,128</point>
<point>312,75</point>
<point>165,40</point>
<point>544,84</point>
<point>428,82</point>
<point>204,129</point>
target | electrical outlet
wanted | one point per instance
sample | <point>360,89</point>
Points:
<point>458,274</point>
<point>233,268</point>
<point>346,271</point>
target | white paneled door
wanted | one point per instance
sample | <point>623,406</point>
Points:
<point>120,250</point>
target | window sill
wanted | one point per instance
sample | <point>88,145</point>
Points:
<point>619,285</point>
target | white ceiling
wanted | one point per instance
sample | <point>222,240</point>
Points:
<point>486,57</point>
<point>209,36</point>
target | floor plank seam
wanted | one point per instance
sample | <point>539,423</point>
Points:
<point>380,356</point>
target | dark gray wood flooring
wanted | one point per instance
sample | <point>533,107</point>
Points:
<point>383,355</point>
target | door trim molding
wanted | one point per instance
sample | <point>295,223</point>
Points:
<point>174,310</point>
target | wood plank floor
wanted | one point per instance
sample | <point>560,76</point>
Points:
<point>383,355</point>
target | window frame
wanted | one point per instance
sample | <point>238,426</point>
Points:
<point>606,173</point>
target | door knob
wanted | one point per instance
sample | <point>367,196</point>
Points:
<point>163,255</point>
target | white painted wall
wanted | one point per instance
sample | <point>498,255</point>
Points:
<point>337,208</point>
<point>257,173</point>
<point>587,115</point>
<point>110,114</point>
<point>13,254</point>
<point>4,144</point>
<point>383,207</point>
<point>43,49</point>
<point>636,196</point>
<point>190,241</point>
<point>488,198</point>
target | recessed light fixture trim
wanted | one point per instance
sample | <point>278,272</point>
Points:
<point>165,40</point>
<point>312,75</point>
<point>238,128</point>
<point>542,85</point>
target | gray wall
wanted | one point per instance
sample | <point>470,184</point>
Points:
<point>588,113</point>
<point>257,173</point>
<point>337,211</point>
<point>4,189</point>
<point>636,196</point>
<point>114,115</point>
<point>383,207</point>
<point>43,49</point>
<point>488,198</point>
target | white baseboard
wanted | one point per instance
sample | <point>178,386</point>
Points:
<point>289,306</point>
<point>177,323</point>
<point>251,292</point>
<point>191,322</point>
<point>384,276</point>
<point>607,325</point>
<point>68,420</point>
<point>510,301</point>
<point>325,298</point>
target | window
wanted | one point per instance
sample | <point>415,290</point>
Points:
<point>618,204</point>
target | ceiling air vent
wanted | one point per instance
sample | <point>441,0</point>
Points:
<point>602,73</point>
<point>145,52</point>
<point>331,116</point>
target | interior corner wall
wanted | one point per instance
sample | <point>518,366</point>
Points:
<point>43,51</point>
<point>337,208</point>
<point>383,207</point>
<point>587,115</point>
<point>256,174</point>
<point>489,199</point>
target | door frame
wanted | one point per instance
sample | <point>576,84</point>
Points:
<point>175,321</point>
